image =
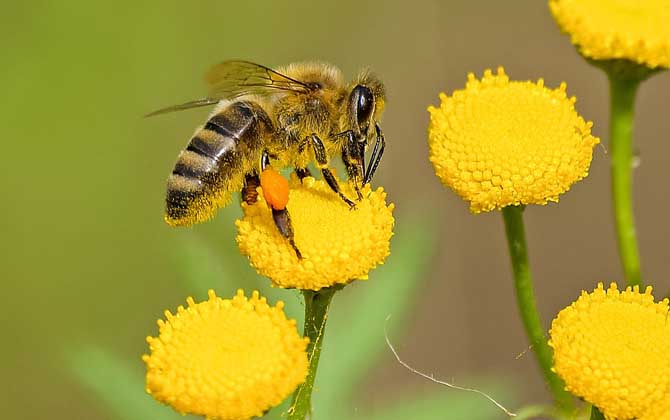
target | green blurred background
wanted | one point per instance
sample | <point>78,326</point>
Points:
<point>88,264</point>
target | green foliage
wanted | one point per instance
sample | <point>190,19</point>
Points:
<point>353,344</point>
<point>118,383</point>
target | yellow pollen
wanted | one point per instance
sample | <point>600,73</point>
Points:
<point>612,348</point>
<point>229,359</point>
<point>499,142</point>
<point>338,244</point>
<point>635,30</point>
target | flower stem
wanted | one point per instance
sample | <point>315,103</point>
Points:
<point>622,97</point>
<point>596,414</point>
<point>523,283</point>
<point>317,304</point>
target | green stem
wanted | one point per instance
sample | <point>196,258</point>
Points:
<point>523,283</point>
<point>316,314</point>
<point>596,414</point>
<point>622,97</point>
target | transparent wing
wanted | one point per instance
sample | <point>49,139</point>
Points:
<point>235,78</point>
<point>231,79</point>
<point>192,104</point>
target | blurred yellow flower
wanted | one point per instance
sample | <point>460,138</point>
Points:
<point>338,244</point>
<point>635,30</point>
<point>499,142</point>
<point>230,359</point>
<point>612,348</point>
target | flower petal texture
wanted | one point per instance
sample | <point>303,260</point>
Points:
<point>612,348</point>
<point>338,244</point>
<point>635,30</point>
<point>229,359</point>
<point>499,142</point>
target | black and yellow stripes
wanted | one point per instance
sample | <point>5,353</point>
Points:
<point>214,163</point>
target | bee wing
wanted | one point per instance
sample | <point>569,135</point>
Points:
<point>192,104</point>
<point>235,78</point>
<point>231,79</point>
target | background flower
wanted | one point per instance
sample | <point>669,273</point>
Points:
<point>634,30</point>
<point>612,348</point>
<point>230,359</point>
<point>498,143</point>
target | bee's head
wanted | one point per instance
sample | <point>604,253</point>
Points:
<point>366,103</point>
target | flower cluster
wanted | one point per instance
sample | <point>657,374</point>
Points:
<point>338,244</point>
<point>612,348</point>
<point>499,142</point>
<point>230,359</point>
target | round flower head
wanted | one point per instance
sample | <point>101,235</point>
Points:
<point>338,244</point>
<point>635,30</point>
<point>499,142</point>
<point>612,348</point>
<point>227,359</point>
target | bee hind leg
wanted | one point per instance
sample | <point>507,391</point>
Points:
<point>249,192</point>
<point>283,222</point>
<point>322,161</point>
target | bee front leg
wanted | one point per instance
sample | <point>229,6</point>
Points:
<point>353,156</point>
<point>322,162</point>
<point>376,156</point>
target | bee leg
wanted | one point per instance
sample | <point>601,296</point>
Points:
<point>353,156</point>
<point>265,160</point>
<point>376,156</point>
<point>283,222</point>
<point>249,193</point>
<point>322,162</point>
<point>302,173</point>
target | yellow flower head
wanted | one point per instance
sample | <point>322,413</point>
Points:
<point>338,245</point>
<point>635,30</point>
<point>612,348</point>
<point>230,359</point>
<point>499,142</point>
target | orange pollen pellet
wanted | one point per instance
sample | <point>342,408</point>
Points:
<point>275,189</point>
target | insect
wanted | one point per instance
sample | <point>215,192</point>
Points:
<point>289,117</point>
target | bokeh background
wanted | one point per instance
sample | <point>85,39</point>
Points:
<point>88,264</point>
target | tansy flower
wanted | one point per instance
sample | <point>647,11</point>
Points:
<point>229,359</point>
<point>635,30</point>
<point>338,244</point>
<point>612,348</point>
<point>499,142</point>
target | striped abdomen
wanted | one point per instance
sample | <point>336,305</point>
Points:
<point>214,163</point>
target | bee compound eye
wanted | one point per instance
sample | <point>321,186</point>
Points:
<point>364,104</point>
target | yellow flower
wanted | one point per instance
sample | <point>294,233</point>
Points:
<point>228,359</point>
<point>612,348</point>
<point>338,245</point>
<point>498,143</point>
<point>635,30</point>
<point>660,411</point>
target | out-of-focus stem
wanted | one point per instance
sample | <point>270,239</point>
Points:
<point>525,296</point>
<point>622,99</point>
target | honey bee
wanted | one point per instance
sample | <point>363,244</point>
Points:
<point>289,117</point>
